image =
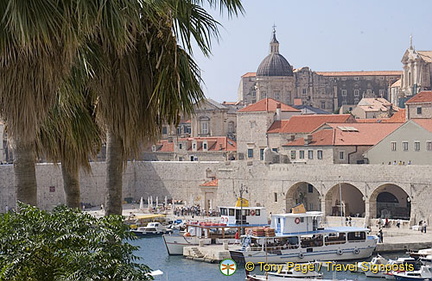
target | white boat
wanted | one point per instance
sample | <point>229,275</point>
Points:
<point>268,277</point>
<point>206,233</point>
<point>421,253</point>
<point>427,260</point>
<point>152,228</point>
<point>298,238</point>
<point>423,274</point>
<point>297,270</point>
<point>372,268</point>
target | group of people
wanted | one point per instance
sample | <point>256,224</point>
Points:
<point>422,226</point>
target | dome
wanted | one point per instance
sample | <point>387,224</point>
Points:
<point>274,65</point>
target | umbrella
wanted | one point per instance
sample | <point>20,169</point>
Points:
<point>141,204</point>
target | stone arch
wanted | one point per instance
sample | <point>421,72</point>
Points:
<point>352,201</point>
<point>306,193</point>
<point>390,201</point>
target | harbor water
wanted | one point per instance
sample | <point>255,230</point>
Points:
<point>177,268</point>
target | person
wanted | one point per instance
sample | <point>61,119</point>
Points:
<point>398,223</point>
<point>381,236</point>
<point>237,235</point>
<point>424,225</point>
<point>350,221</point>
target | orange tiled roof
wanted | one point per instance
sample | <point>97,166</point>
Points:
<point>424,96</point>
<point>424,123</point>
<point>343,134</point>
<point>398,117</point>
<point>213,144</point>
<point>360,73</point>
<point>308,123</point>
<point>249,74</point>
<point>268,105</point>
<point>277,126</point>
<point>212,183</point>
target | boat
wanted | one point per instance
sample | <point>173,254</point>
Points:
<point>423,274</point>
<point>269,277</point>
<point>298,237</point>
<point>372,268</point>
<point>404,264</point>
<point>421,253</point>
<point>296,270</point>
<point>152,228</point>
<point>224,231</point>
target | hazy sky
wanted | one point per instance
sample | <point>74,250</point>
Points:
<point>325,35</point>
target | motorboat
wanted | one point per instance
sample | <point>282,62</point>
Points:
<point>423,274</point>
<point>372,268</point>
<point>296,270</point>
<point>152,228</point>
<point>232,220</point>
<point>421,253</point>
<point>404,264</point>
<point>298,237</point>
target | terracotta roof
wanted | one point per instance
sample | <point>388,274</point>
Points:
<point>425,96</point>
<point>424,123</point>
<point>277,126</point>
<point>249,74</point>
<point>213,144</point>
<point>342,134</point>
<point>214,182</point>
<point>308,123</point>
<point>374,104</point>
<point>268,105</point>
<point>360,73</point>
<point>398,117</point>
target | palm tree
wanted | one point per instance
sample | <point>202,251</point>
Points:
<point>70,134</point>
<point>153,83</point>
<point>38,45</point>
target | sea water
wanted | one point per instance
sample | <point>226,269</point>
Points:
<point>177,268</point>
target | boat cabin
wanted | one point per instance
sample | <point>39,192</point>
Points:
<point>295,223</point>
<point>256,216</point>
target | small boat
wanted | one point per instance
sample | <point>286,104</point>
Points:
<point>269,277</point>
<point>298,237</point>
<point>297,270</point>
<point>152,228</point>
<point>421,253</point>
<point>224,231</point>
<point>404,264</point>
<point>372,268</point>
<point>423,274</point>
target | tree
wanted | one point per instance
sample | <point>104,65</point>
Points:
<point>38,45</point>
<point>66,244</point>
<point>155,82</point>
<point>70,134</point>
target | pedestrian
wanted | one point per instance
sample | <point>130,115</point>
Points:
<point>424,227</point>
<point>381,236</point>
<point>398,223</point>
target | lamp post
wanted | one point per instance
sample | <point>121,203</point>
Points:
<point>242,190</point>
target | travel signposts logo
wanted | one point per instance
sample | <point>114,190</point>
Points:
<point>228,267</point>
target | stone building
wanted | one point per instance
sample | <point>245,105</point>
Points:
<point>417,72</point>
<point>276,78</point>
<point>372,108</point>
<point>420,106</point>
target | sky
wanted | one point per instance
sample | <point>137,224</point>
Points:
<point>324,35</point>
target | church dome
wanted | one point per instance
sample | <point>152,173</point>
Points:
<point>274,64</point>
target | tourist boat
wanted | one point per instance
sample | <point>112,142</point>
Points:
<point>224,231</point>
<point>152,228</point>
<point>423,274</point>
<point>298,237</point>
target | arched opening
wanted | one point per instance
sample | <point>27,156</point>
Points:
<point>345,199</point>
<point>390,201</point>
<point>305,193</point>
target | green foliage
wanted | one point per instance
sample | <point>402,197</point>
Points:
<point>66,244</point>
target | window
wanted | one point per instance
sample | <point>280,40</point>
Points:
<point>204,146</point>
<point>310,154</point>
<point>344,93</point>
<point>250,153</point>
<point>417,146</point>
<point>323,105</point>
<point>180,146</point>
<point>293,154</point>
<point>356,92</point>
<point>275,149</point>
<point>310,188</point>
<point>262,154</point>
<point>405,145</point>
<point>341,155</point>
<point>230,127</point>
<point>164,130</point>
<point>304,91</point>
<point>204,128</point>
<point>419,110</point>
<point>275,196</point>
<point>301,154</point>
<point>429,145</point>
<point>393,146</point>
<point>320,154</point>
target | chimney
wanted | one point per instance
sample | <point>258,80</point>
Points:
<point>308,139</point>
<point>278,112</point>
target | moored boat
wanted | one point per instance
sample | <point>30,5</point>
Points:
<point>232,220</point>
<point>298,238</point>
<point>423,274</point>
<point>152,228</point>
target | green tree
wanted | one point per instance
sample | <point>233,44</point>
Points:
<point>39,42</point>
<point>66,244</point>
<point>155,82</point>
